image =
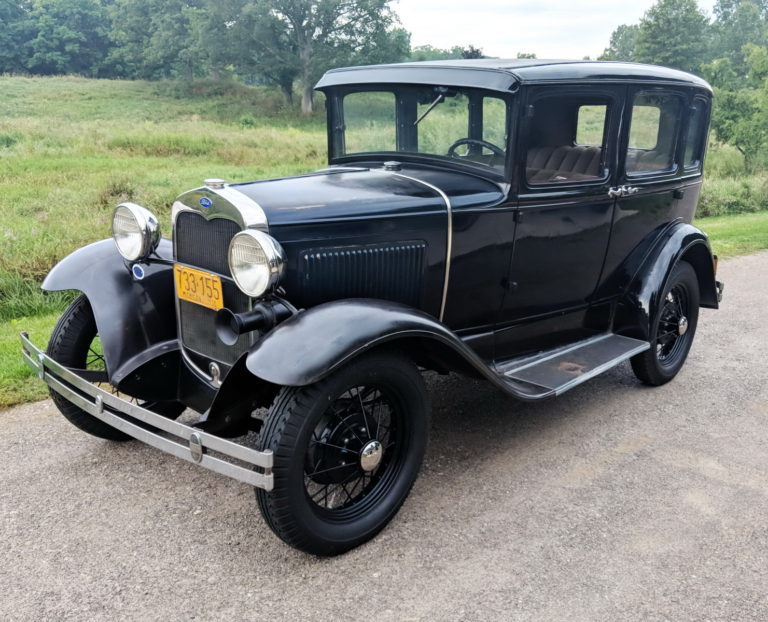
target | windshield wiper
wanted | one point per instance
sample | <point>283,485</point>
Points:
<point>438,100</point>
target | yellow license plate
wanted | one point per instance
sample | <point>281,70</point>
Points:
<point>202,288</point>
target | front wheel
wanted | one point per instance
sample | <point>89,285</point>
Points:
<point>672,329</point>
<point>75,344</point>
<point>347,451</point>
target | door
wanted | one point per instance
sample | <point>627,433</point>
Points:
<point>653,158</point>
<point>564,214</point>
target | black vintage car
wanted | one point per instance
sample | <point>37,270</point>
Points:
<point>527,222</point>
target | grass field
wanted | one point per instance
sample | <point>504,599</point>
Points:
<point>72,148</point>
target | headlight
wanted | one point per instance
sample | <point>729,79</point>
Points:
<point>135,230</point>
<point>256,261</point>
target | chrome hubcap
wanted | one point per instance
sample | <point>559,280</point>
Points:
<point>682,325</point>
<point>371,455</point>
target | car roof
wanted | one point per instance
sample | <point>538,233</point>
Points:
<point>504,75</point>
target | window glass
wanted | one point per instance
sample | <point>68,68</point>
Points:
<point>566,141</point>
<point>444,124</point>
<point>652,133</point>
<point>590,125</point>
<point>369,118</point>
<point>427,120</point>
<point>694,139</point>
<point>495,121</point>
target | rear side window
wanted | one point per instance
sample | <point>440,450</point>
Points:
<point>694,139</point>
<point>653,133</point>
<point>567,140</point>
<point>590,125</point>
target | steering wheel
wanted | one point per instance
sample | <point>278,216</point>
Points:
<point>474,141</point>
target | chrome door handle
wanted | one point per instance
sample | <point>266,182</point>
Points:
<point>622,191</point>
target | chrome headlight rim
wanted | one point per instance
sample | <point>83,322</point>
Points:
<point>147,230</point>
<point>274,267</point>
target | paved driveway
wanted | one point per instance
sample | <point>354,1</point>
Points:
<point>613,502</point>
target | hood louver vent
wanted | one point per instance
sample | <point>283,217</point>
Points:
<point>388,271</point>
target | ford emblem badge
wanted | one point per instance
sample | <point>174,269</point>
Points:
<point>206,202</point>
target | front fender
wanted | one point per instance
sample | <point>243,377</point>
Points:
<point>133,317</point>
<point>313,343</point>
<point>638,305</point>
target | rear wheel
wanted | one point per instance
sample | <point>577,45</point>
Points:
<point>672,330</point>
<point>347,451</point>
<point>75,344</point>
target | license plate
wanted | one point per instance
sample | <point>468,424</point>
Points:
<point>202,288</point>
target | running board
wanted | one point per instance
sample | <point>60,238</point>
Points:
<point>555,371</point>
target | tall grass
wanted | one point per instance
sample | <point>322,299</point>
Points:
<point>72,148</point>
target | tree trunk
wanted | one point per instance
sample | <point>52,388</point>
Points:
<point>307,99</point>
<point>287,90</point>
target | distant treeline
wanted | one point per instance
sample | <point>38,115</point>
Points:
<point>283,43</point>
<point>730,51</point>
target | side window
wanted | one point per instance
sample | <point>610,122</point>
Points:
<point>652,133</point>
<point>694,138</point>
<point>590,125</point>
<point>567,140</point>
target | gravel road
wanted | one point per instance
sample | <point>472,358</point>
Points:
<point>613,502</point>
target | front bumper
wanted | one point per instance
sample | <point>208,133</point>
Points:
<point>182,441</point>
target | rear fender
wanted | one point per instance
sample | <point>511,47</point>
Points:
<point>638,305</point>
<point>136,318</point>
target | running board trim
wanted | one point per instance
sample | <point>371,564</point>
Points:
<point>556,371</point>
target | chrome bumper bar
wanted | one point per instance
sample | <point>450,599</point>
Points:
<point>182,441</point>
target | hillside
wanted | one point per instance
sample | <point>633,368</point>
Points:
<point>72,148</point>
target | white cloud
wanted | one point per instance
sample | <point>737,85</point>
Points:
<point>554,29</point>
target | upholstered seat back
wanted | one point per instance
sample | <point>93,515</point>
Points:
<point>557,164</point>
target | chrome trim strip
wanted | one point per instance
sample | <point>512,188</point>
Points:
<point>106,407</point>
<point>449,233</point>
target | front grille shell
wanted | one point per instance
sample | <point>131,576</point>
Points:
<point>201,243</point>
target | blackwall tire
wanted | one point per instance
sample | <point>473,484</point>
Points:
<point>70,344</point>
<point>669,349</point>
<point>366,426</point>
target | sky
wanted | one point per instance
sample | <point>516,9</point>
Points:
<point>566,29</point>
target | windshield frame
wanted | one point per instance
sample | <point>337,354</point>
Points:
<point>404,121</point>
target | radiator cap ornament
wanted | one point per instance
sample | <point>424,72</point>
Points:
<point>214,183</point>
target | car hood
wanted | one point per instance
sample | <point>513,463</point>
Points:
<point>369,193</point>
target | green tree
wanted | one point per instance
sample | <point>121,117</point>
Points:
<point>15,23</point>
<point>673,33</point>
<point>303,38</point>
<point>740,116</point>
<point>156,38</point>
<point>69,36</point>
<point>622,44</point>
<point>738,23</point>
<point>428,52</point>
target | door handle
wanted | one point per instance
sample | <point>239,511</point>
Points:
<point>614,193</point>
<point>622,191</point>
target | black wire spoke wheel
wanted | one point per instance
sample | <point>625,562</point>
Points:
<point>347,451</point>
<point>672,329</point>
<point>352,448</point>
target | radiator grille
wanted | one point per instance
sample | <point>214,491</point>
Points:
<point>203,244</point>
<point>390,272</point>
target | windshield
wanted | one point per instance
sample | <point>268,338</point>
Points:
<point>468,125</point>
